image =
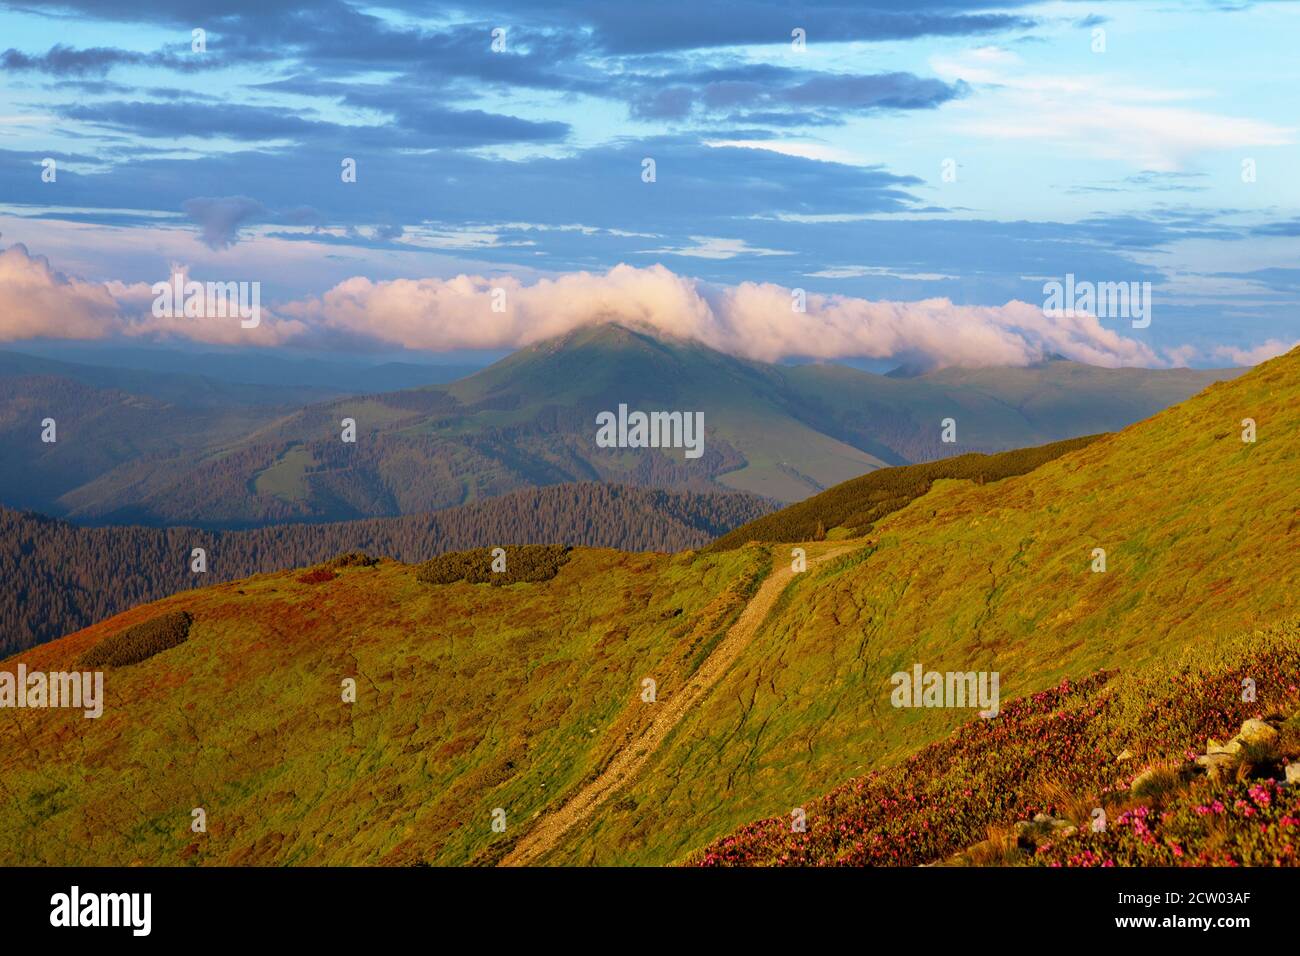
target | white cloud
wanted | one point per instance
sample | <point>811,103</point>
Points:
<point>751,320</point>
<point>1260,353</point>
<point>802,150</point>
<point>858,272</point>
<point>712,247</point>
<point>1096,116</point>
<point>38,302</point>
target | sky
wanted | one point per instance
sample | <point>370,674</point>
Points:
<point>911,173</point>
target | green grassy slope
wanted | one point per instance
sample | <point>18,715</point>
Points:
<point>1202,538</point>
<point>854,506</point>
<point>468,698</point>
<point>61,577</point>
<point>474,697</point>
<point>1124,743</point>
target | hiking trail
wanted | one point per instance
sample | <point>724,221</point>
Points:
<point>633,755</point>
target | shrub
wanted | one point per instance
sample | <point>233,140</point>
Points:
<point>529,562</point>
<point>1051,752</point>
<point>139,642</point>
<point>352,559</point>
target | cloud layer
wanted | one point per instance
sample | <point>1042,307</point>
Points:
<point>761,321</point>
<point>752,320</point>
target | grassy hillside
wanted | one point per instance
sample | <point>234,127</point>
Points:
<point>469,697</point>
<point>526,697</point>
<point>60,577</point>
<point>855,506</point>
<point>1201,534</point>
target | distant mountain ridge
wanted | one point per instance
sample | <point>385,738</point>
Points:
<point>131,452</point>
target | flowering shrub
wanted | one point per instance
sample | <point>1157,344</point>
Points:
<point>1063,741</point>
<point>1253,823</point>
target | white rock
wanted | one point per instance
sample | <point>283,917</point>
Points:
<point>1256,732</point>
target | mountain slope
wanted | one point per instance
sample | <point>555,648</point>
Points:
<point>854,506</point>
<point>474,698</point>
<point>1202,537</point>
<point>529,420</point>
<point>186,390</point>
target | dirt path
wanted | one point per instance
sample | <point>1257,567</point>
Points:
<point>628,761</point>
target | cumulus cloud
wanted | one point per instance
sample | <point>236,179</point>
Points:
<point>38,302</point>
<point>752,320</point>
<point>35,301</point>
<point>1260,353</point>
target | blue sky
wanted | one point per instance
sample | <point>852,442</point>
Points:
<point>1103,139</point>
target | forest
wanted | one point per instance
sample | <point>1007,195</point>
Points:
<point>61,577</point>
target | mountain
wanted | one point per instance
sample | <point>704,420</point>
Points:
<point>132,452</point>
<point>187,390</point>
<point>60,577</point>
<point>250,366</point>
<point>651,708</point>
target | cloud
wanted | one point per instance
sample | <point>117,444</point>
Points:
<point>63,61</point>
<point>220,219</point>
<point>713,247</point>
<point>332,28</point>
<point>1260,353</point>
<point>417,126</point>
<point>784,94</point>
<point>38,302</point>
<point>752,320</point>
<point>674,25</point>
<point>1094,115</point>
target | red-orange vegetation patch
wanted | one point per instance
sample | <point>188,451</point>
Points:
<point>318,576</point>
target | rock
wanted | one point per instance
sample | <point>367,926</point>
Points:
<point>1216,765</point>
<point>1293,772</point>
<point>1042,818</point>
<point>1256,732</point>
<point>1068,830</point>
<point>1231,747</point>
<point>1124,755</point>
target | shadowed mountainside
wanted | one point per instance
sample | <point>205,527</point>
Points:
<point>184,450</point>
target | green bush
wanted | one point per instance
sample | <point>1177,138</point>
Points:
<point>352,559</point>
<point>139,642</point>
<point>529,562</point>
